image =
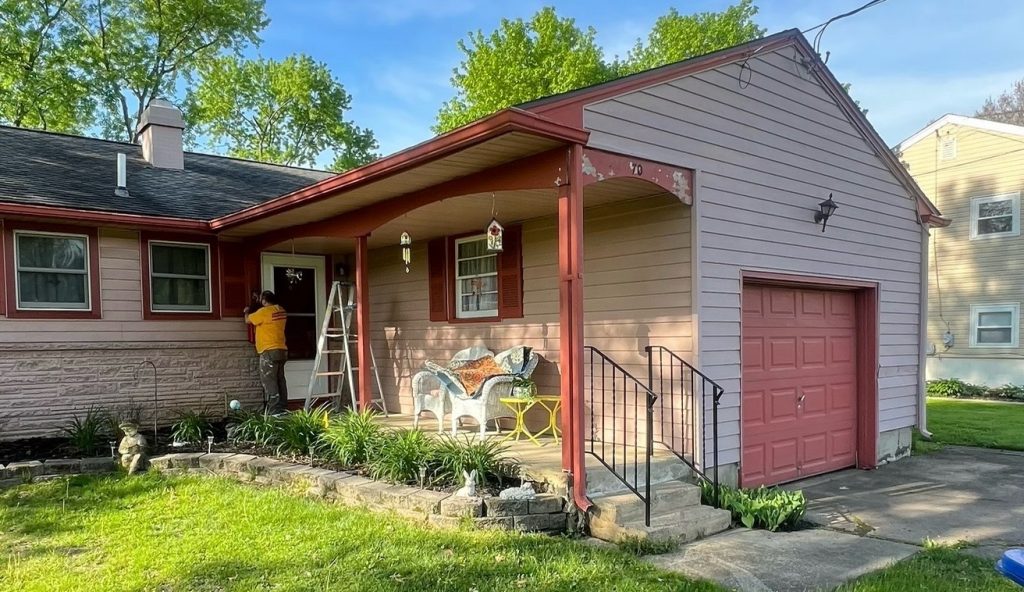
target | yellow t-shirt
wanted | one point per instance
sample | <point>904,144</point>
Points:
<point>269,322</point>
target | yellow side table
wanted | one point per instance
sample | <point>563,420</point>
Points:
<point>553,404</point>
<point>519,406</point>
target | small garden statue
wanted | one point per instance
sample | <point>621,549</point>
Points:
<point>132,448</point>
<point>469,489</point>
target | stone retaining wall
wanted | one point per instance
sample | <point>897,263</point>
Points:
<point>545,513</point>
<point>33,470</point>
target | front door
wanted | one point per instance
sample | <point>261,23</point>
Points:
<point>298,282</point>
<point>799,402</point>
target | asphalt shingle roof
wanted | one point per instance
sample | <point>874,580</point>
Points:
<point>47,169</point>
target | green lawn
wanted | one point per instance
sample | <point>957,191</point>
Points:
<point>202,534</point>
<point>989,424</point>
<point>935,570</point>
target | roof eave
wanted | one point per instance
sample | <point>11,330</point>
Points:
<point>503,122</point>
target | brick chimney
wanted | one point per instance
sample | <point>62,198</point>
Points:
<point>160,135</point>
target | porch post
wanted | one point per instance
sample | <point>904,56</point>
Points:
<point>363,376</point>
<point>570,264</point>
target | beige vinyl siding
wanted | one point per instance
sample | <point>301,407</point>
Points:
<point>636,291</point>
<point>767,152</point>
<point>964,271</point>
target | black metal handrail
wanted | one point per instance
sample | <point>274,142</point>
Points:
<point>610,385</point>
<point>694,388</point>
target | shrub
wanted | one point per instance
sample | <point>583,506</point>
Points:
<point>400,455</point>
<point>300,431</point>
<point>90,433</point>
<point>1010,391</point>
<point>350,437</point>
<point>457,454</point>
<point>954,388</point>
<point>191,427</point>
<point>765,507</point>
<point>254,427</point>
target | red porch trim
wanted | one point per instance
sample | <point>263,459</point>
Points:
<point>363,322</point>
<point>866,303</point>
<point>88,217</point>
<point>506,121</point>
<point>147,288</point>
<point>599,165</point>
<point>95,300</point>
<point>570,321</point>
<point>541,171</point>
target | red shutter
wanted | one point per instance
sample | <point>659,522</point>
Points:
<point>510,272</point>
<point>437,260</point>
<point>234,293</point>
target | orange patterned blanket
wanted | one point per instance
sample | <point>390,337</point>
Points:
<point>473,373</point>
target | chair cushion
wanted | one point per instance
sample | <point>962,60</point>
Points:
<point>514,359</point>
<point>448,379</point>
<point>473,373</point>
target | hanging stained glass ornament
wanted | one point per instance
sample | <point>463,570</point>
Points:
<point>293,275</point>
<point>495,236</point>
<point>406,242</point>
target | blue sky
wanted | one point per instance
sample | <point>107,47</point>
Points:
<point>909,61</point>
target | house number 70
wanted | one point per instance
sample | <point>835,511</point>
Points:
<point>637,168</point>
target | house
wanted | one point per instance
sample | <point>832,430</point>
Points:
<point>663,230</point>
<point>973,169</point>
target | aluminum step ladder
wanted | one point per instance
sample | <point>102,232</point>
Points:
<point>337,329</point>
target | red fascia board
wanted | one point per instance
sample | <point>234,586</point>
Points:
<point>504,122</point>
<point>93,218</point>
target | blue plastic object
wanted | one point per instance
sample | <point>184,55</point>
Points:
<point>1011,565</point>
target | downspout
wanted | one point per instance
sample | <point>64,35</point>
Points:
<point>922,401</point>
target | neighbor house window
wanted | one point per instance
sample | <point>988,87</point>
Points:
<point>476,279</point>
<point>52,271</point>
<point>998,215</point>
<point>995,325</point>
<point>179,276</point>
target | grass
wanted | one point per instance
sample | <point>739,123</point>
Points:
<point>937,569</point>
<point>988,424</point>
<point>154,532</point>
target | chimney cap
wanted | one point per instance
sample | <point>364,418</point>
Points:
<point>163,113</point>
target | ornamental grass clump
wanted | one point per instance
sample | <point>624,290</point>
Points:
<point>770,508</point>
<point>400,454</point>
<point>88,434</point>
<point>191,427</point>
<point>254,427</point>
<point>351,436</point>
<point>299,431</point>
<point>458,455</point>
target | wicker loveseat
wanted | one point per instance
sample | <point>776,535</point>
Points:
<point>438,389</point>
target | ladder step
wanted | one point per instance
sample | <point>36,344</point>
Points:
<point>332,351</point>
<point>331,373</point>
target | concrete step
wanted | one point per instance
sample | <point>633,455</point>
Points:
<point>667,497</point>
<point>665,466</point>
<point>681,526</point>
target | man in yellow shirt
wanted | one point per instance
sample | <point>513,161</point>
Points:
<point>269,322</point>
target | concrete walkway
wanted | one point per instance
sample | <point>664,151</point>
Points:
<point>869,519</point>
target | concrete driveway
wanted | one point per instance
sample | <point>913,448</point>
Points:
<point>958,493</point>
<point>870,519</point>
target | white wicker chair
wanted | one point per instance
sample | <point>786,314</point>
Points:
<point>486,405</point>
<point>430,394</point>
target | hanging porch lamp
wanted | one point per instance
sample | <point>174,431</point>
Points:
<point>406,242</point>
<point>825,211</point>
<point>495,236</point>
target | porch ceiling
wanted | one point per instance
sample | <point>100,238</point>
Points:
<point>473,212</point>
<point>487,154</point>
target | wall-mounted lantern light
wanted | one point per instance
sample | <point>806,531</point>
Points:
<point>406,242</point>
<point>826,209</point>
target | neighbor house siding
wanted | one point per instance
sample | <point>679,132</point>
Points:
<point>636,274</point>
<point>54,369</point>
<point>767,152</point>
<point>965,272</point>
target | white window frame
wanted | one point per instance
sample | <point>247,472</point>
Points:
<point>1012,307</point>
<point>53,306</point>
<point>976,206</point>
<point>473,314</point>
<point>163,308</point>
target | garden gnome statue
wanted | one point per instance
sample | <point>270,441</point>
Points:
<point>132,448</point>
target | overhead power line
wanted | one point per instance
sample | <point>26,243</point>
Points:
<point>821,28</point>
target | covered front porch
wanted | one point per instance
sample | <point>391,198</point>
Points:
<point>564,207</point>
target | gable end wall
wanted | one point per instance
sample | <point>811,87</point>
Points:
<point>767,152</point>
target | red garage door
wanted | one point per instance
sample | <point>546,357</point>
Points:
<point>799,383</point>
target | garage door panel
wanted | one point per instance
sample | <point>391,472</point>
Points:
<point>799,383</point>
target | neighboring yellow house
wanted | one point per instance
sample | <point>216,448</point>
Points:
<point>973,171</point>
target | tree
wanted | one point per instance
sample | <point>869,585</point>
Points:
<point>288,112</point>
<point>139,50</point>
<point>41,85</point>
<point>677,37</point>
<point>519,62</point>
<point>1007,107</point>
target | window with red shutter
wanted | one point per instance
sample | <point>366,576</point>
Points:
<point>510,274</point>
<point>468,284</point>
<point>234,291</point>
<point>437,263</point>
